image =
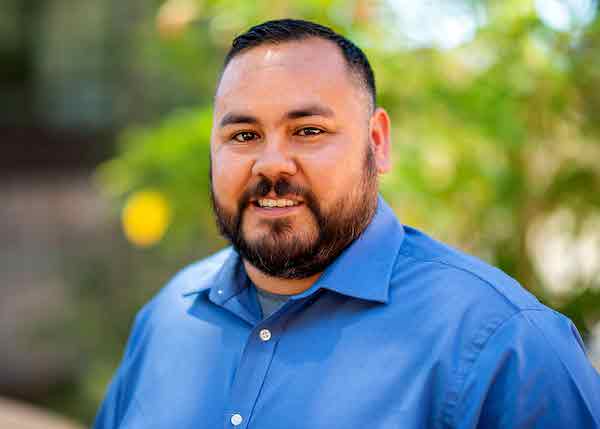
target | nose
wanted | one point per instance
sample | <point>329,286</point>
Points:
<point>274,161</point>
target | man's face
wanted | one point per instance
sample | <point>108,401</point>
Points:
<point>294,172</point>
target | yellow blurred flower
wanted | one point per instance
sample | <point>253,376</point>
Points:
<point>146,217</point>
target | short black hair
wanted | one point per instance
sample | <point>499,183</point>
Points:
<point>287,30</point>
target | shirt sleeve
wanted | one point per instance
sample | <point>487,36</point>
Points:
<point>532,372</point>
<point>119,400</point>
<point>111,410</point>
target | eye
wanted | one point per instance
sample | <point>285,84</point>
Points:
<point>244,136</point>
<point>309,131</point>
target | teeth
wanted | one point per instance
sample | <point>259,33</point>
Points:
<point>267,202</point>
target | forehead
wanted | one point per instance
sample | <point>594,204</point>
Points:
<point>312,70</point>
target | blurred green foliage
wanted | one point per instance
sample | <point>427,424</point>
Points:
<point>173,157</point>
<point>492,139</point>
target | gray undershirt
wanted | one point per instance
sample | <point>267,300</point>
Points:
<point>270,302</point>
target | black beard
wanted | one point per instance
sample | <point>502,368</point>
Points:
<point>279,254</point>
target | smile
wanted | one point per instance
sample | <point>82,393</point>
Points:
<point>269,203</point>
<point>274,208</point>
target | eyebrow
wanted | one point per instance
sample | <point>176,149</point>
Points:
<point>310,110</point>
<point>237,118</point>
<point>304,111</point>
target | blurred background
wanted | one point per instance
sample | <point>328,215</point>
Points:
<point>105,115</point>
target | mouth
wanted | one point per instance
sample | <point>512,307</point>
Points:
<point>270,203</point>
<point>275,207</point>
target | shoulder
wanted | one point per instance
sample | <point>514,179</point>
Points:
<point>450,275</point>
<point>502,339</point>
<point>460,300</point>
<point>466,299</point>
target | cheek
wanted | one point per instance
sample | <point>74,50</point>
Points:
<point>230,176</point>
<point>334,171</point>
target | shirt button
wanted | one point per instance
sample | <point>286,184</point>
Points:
<point>265,334</point>
<point>236,419</point>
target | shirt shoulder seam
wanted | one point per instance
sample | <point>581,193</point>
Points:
<point>557,354</point>
<point>468,360</point>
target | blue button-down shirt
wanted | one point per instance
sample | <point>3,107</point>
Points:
<point>400,331</point>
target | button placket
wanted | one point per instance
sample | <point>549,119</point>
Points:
<point>251,373</point>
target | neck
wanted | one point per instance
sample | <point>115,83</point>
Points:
<point>278,285</point>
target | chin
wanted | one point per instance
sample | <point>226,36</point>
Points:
<point>280,236</point>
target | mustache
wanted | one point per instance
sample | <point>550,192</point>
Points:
<point>281,187</point>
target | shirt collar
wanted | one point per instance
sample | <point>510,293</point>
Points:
<point>363,270</point>
<point>224,279</point>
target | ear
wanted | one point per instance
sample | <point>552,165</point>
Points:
<point>380,139</point>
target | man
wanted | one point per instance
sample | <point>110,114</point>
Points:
<point>327,312</point>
